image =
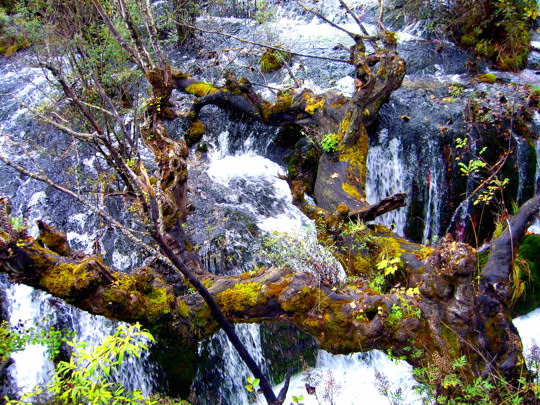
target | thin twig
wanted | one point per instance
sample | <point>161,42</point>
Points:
<point>268,46</point>
<point>326,20</point>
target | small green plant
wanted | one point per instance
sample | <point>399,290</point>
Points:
<point>297,400</point>
<point>330,142</point>
<point>455,89</point>
<point>253,387</point>
<point>264,12</point>
<point>458,388</point>
<point>84,378</point>
<point>17,338</point>
<point>18,224</point>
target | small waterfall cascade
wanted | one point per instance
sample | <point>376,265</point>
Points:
<point>250,201</point>
<point>28,307</point>
<point>25,306</point>
<point>387,175</point>
<point>354,379</point>
<point>227,372</point>
<point>535,227</point>
<point>434,180</point>
<point>253,187</point>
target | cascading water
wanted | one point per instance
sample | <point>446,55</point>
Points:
<point>254,189</point>
<point>32,308</point>
<point>24,305</point>
<point>386,176</point>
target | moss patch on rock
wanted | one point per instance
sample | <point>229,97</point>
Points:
<point>272,60</point>
<point>239,297</point>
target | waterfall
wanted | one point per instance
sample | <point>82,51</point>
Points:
<point>354,379</point>
<point>240,199</point>
<point>535,227</point>
<point>387,175</point>
<point>33,308</point>
<point>29,308</point>
<point>254,189</point>
<point>24,305</point>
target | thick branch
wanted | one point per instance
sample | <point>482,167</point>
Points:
<point>497,272</point>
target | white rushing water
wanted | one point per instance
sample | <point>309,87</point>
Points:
<point>341,379</point>
<point>243,172</point>
<point>30,308</point>
<point>386,176</point>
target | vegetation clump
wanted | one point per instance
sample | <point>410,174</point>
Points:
<point>239,297</point>
<point>272,60</point>
<point>496,30</point>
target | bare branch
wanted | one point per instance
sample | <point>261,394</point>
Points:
<point>302,55</point>
<point>87,204</point>
<point>354,36</point>
<point>150,25</point>
<point>359,23</point>
<point>80,135</point>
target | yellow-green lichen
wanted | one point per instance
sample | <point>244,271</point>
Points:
<point>201,89</point>
<point>352,191</point>
<point>182,308</point>
<point>195,132</point>
<point>312,103</point>
<point>488,78</point>
<point>303,301</point>
<point>238,298</point>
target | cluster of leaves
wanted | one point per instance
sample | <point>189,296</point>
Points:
<point>452,386</point>
<point>330,142</point>
<point>490,390</point>
<point>478,168</point>
<point>15,339</point>
<point>86,377</point>
<point>387,258</point>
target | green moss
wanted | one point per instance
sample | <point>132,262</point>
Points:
<point>157,303</point>
<point>528,251</point>
<point>469,40</point>
<point>272,60</point>
<point>194,133</point>
<point>451,341</point>
<point>304,301</point>
<point>201,89</point>
<point>59,280</point>
<point>488,78</point>
<point>182,308</point>
<point>238,298</point>
<point>284,101</point>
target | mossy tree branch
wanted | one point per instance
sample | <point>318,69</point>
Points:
<point>438,310</point>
